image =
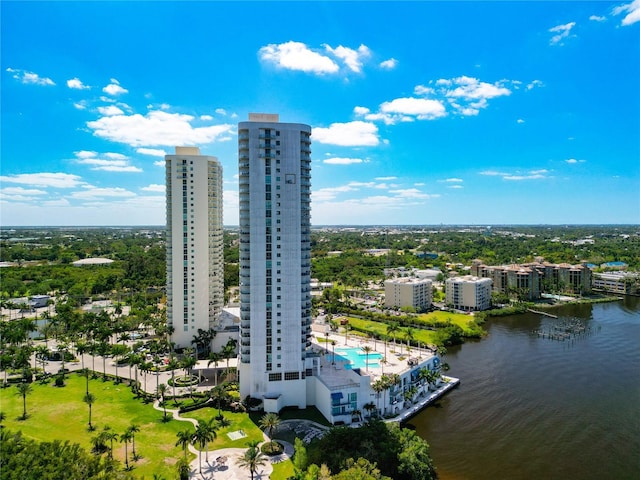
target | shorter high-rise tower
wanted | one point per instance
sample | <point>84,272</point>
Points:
<point>195,261</point>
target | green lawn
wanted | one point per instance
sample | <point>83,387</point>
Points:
<point>459,319</point>
<point>380,328</point>
<point>59,413</point>
<point>238,421</point>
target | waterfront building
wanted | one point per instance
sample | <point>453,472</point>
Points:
<point>530,280</point>
<point>195,262</point>
<point>275,259</point>
<point>408,292</point>
<point>469,293</point>
<point>617,282</point>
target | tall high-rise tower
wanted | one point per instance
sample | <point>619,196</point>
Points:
<point>275,258</point>
<point>195,262</point>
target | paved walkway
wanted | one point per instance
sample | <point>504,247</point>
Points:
<point>229,469</point>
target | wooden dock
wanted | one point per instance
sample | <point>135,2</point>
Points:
<point>541,313</point>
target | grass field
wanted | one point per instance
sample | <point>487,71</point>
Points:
<point>60,413</point>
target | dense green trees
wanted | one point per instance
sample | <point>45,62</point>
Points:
<point>396,453</point>
<point>25,458</point>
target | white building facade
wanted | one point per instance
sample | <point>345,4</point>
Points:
<point>408,292</point>
<point>469,293</point>
<point>195,262</point>
<point>275,260</point>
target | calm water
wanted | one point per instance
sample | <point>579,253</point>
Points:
<point>532,408</point>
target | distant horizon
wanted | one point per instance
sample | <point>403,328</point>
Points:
<point>422,113</point>
<point>475,225</point>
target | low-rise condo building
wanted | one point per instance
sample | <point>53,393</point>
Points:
<point>469,293</point>
<point>408,292</point>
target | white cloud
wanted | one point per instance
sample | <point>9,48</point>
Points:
<point>206,117</point>
<point>77,84</point>
<point>114,88</point>
<point>30,77</point>
<point>154,187</point>
<point>518,176</point>
<point>157,128</point>
<point>342,161</point>
<point>385,179</point>
<point>533,176</point>
<point>220,111</point>
<point>389,64</point>
<point>22,191</point>
<point>81,105</point>
<point>352,134</point>
<point>115,156</point>
<point>421,108</point>
<point>561,32</point>
<point>534,83</point>
<point>160,163</point>
<point>520,120</point>
<point>472,89</point>
<point>86,154</point>
<point>455,186</point>
<point>352,58</point>
<point>45,179</point>
<point>423,90</point>
<point>574,161</point>
<point>419,184</point>
<point>413,193</point>
<point>116,162</point>
<point>632,10</point>
<point>154,152</point>
<point>597,18</point>
<point>110,110</point>
<point>94,193</point>
<point>454,180</point>
<point>461,95</point>
<point>297,56</point>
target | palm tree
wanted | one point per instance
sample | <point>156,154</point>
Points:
<point>409,335</point>
<point>346,327</point>
<point>366,349</point>
<point>214,358</point>
<point>24,389</point>
<point>89,399</point>
<point>133,429</point>
<point>228,351</point>
<point>369,407</point>
<point>173,365</point>
<point>162,391</point>
<point>209,428</point>
<point>81,348</point>
<point>378,387</point>
<point>333,352</point>
<point>184,439</point>
<point>252,458</point>
<point>111,436</point>
<point>201,436</point>
<point>126,438</point>
<point>392,329</point>
<point>270,422</point>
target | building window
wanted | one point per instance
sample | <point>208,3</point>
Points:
<point>275,377</point>
<point>291,375</point>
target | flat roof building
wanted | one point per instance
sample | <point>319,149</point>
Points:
<point>195,262</point>
<point>469,293</point>
<point>275,259</point>
<point>408,292</point>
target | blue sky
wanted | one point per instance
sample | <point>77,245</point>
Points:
<point>422,112</point>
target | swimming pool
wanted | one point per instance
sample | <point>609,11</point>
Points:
<point>355,357</point>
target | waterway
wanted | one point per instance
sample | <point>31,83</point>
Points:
<point>530,407</point>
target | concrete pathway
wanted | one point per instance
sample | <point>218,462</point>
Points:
<point>230,469</point>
